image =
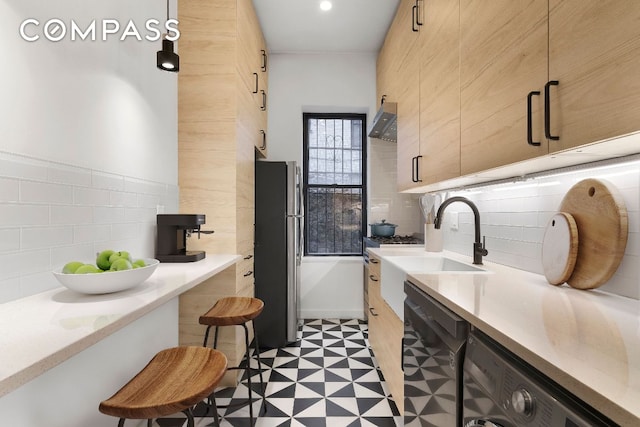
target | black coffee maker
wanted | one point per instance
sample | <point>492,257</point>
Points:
<point>173,230</point>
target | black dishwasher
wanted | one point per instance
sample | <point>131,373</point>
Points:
<point>432,360</point>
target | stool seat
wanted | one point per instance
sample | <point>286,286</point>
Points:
<point>174,380</point>
<point>232,311</point>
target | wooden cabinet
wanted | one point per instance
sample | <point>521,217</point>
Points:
<point>423,76</point>
<point>503,57</point>
<point>218,129</point>
<point>440,92</point>
<point>385,335</point>
<point>594,54</point>
<point>252,67</point>
<point>483,71</point>
<point>408,123</point>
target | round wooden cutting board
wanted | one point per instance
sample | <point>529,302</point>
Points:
<point>559,248</point>
<point>601,217</point>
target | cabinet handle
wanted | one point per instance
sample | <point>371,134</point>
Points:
<point>374,261</point>
<point>530,140</point>
<point>264,60</point>
<point>547,110</point>
<point>248,273</point>
<point>414,14</point>
<point>382,99</point>
<point>255,75</point>
<point>248,256</point>
<point>402,354</point>
<point>415,169</point>
<point>372,312</point>
<point>373,278</point>
<point>418,12</point>
<point>264,100</point>
<point>264,139</point>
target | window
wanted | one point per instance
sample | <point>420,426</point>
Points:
<point>334,183</point>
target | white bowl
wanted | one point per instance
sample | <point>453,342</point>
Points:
<point>109,281</point>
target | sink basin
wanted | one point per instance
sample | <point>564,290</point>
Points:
<point>424,264</point>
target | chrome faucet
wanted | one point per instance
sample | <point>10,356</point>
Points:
<point>478,247</point>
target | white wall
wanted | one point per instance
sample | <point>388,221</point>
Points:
<point>514,217</point>
<point>333,83</point>
<point>89,141</point>
<point>88,150</point>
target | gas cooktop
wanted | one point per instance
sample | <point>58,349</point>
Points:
<point>376,241</point>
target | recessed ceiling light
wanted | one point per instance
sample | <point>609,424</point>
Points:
<point>325,5</point>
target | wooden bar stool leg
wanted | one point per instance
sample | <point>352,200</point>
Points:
<point>257,351</point>
<point>248,358</point>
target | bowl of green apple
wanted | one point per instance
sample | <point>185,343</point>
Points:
<point>113,271</point>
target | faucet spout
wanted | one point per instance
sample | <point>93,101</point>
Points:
<point>479,249</point>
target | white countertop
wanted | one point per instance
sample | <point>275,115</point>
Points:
<point>41,331</point>
<point>587,341</point>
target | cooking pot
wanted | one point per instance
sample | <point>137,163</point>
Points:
<point>383,229</point>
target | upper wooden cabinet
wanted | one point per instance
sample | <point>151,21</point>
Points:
<point>420,71</point>
<point>252,66</point>
<point>503,57</point>
<point>508,81</point>
<point>594,54</point>
<point>440,92</point>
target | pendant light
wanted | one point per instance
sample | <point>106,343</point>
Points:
<point>167,59</point>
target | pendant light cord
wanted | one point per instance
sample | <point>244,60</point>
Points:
<point>167,10</point>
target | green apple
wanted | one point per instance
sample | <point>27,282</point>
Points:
<point>126,255</point>
<point>121,264</point>
<point>139,263</point>
<point>71,267</point>
<point>87,269</point>
<point>102,259</point>
<point>113,257</point>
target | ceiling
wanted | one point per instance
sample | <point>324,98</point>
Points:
<point>299,26</point>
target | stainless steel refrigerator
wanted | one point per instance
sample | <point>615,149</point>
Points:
<point>278,250</point>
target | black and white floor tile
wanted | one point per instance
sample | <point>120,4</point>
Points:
<point>328,378</point>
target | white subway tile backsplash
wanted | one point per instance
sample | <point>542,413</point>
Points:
<point>90,196</point>
<point>9,190</point>
<point>514,225</point>
<point>108,215</point>
<point>125,231</point>
<point>143,187</point>
<point>140,215</point>
<point>39,282</point>
<point>72,175</point>
<point>64,254</point>
<point>23,214</point>
<point>120,198</point>
<point>51,213</point>
<point>71,215</point>
<point>148,200</point>
<point>9,239</point>
<point>44,237</point>
<point>15,166</point>
<point>107,181</point>
<point>25,262</point>
<point>42,192</point>
<point>91,233</point>
<point>10,289</point>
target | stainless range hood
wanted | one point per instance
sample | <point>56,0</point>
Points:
<point>384,123</point>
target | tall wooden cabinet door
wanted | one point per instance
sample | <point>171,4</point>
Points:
<point>410,165</point>
<point>503,57</point>
<point>440,92</point>
<point>403,33</point>
<point>594,54</point>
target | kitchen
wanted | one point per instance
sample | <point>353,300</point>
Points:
<point>62,208</point>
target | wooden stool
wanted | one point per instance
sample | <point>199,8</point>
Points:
<point>175,380</point>
<point>237,311</point>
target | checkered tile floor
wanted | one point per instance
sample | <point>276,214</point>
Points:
<point>329,378</point>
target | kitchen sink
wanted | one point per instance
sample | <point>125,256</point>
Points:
<point>427,264</point>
